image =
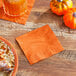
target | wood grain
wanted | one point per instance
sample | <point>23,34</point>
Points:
<point>62,64</point>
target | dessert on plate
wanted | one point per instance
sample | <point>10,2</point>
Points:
<point>8,63</point>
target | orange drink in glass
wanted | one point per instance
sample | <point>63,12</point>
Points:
<point>15,7</point>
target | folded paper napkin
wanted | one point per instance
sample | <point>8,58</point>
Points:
<point>0,3</point>
<point>20,19</point>
<point>39,44</point>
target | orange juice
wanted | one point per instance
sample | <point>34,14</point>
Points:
<point>15,7</point>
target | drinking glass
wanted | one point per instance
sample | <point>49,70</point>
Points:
<point>15,7</point>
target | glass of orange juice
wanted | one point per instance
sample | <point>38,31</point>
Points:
<point>15,7</point>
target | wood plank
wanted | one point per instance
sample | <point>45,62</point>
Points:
<point>55,65</point>
<point>68,43</point>
<point>67,40</point>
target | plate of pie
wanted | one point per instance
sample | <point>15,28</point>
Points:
<point>8,58</point>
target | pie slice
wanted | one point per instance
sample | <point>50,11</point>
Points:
<point>7,59</point>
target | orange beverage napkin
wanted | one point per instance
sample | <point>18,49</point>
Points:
<point>39,44</point>
<point>20,19</point>
<point>0,3</point>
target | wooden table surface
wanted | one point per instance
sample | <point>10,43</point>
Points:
<point>62,64</point>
